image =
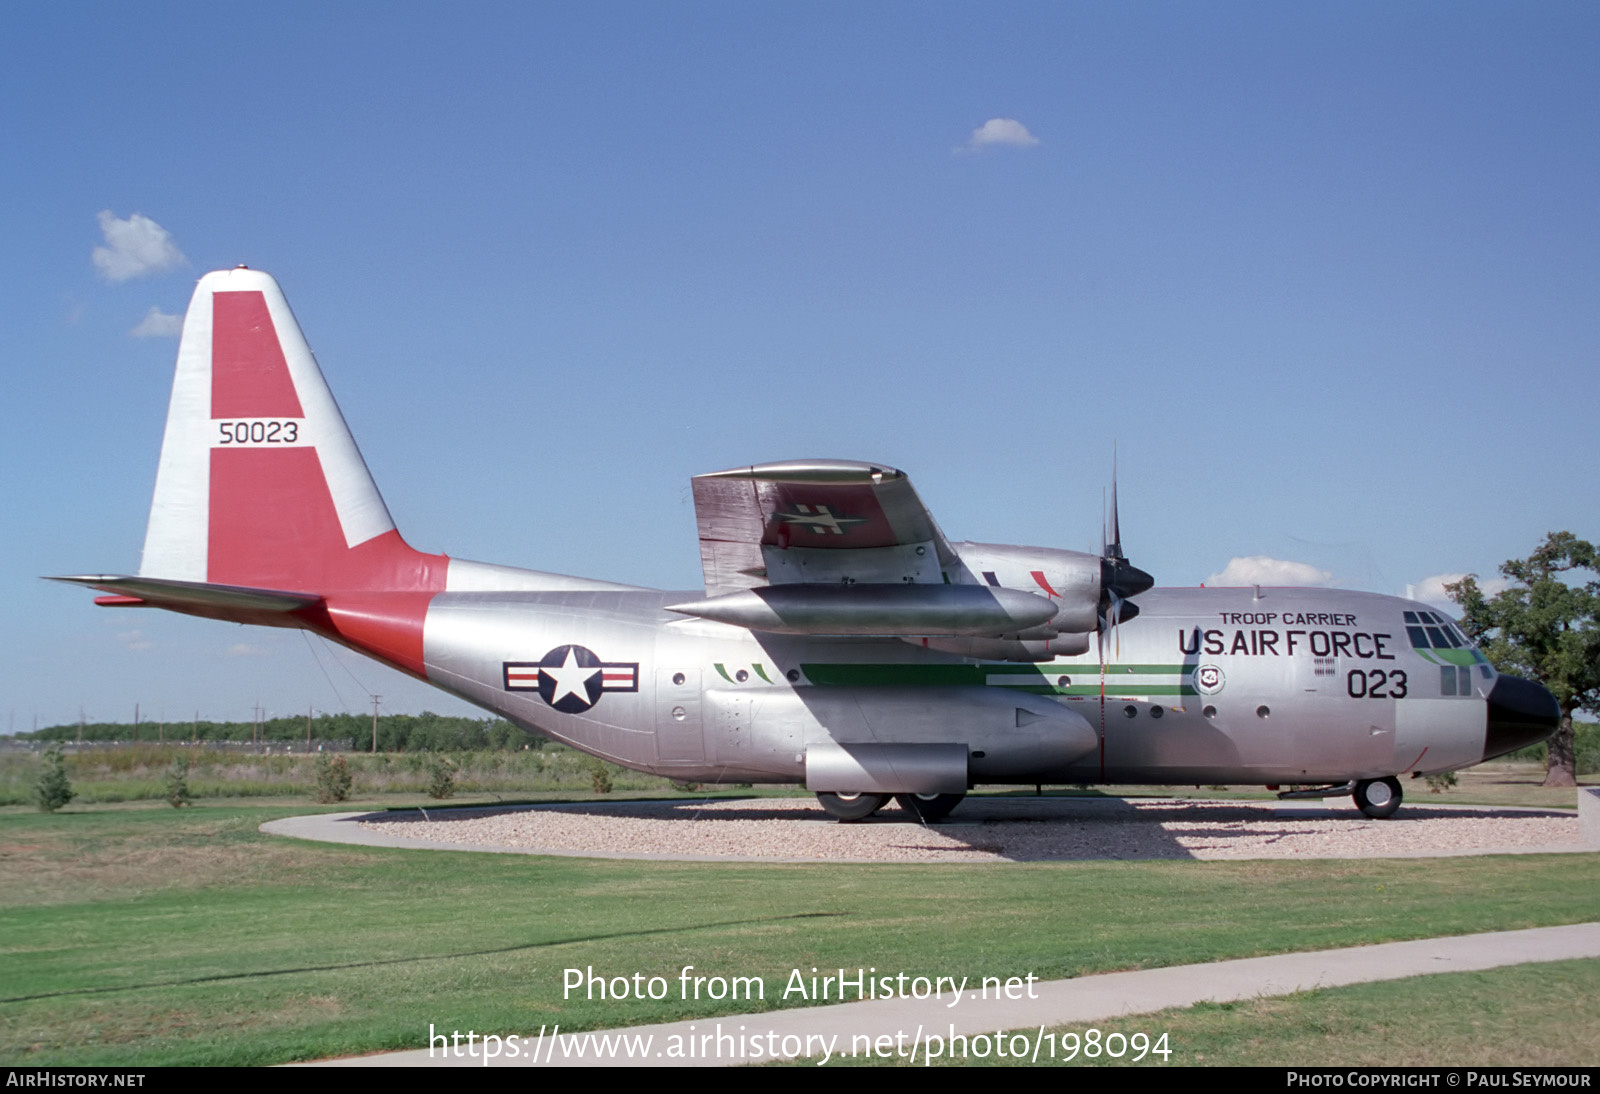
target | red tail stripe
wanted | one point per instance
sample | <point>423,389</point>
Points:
<point>249,377</point>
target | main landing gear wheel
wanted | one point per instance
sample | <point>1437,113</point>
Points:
<point>1378,798</point>
<point>929,808</point>
<point>851,807</point>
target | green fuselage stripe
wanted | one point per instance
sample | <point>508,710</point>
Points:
<point>1083,679</point>
<point>1114,690</point>
<point>1465,658</point>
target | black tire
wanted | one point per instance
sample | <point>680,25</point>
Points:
<point>929,808</point>
<point>851,807</point>
<point>1378,798</point>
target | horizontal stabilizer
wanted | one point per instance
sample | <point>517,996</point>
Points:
<point>194,597</point>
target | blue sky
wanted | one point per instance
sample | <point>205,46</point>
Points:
<point>1325,273</point>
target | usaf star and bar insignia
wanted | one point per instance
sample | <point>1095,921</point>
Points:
<point>571,678</point>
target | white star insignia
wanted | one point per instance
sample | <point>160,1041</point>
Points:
<point>571,678</point>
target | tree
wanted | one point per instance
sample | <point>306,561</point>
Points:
<point>53,790</point>
<point>441,776</point>
<point>333,778</point>
<point>1544,627</point>
<point>178,781</point>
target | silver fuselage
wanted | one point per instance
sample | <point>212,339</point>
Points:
<point>1204,686</point>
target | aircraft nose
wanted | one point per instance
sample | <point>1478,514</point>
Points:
<point>1521,713</point>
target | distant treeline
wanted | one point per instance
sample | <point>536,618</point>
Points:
<point>425,732</point>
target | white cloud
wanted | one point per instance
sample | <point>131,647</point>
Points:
<point>134,640</point>
<point>134,247</point>
<point>1261,570</point>
<point>244,649</point>
<point>158,324</point>
<point>1000,131</point>
<point>1430,590</point>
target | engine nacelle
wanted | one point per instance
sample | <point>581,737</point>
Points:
<point>1068,579</point>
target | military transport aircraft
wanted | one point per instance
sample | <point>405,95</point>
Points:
<point>841,641</point>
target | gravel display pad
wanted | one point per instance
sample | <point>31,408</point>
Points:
<point>991,830</point>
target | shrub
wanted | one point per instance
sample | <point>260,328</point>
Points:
<point>599,776</point>
<point>178,781</point>
<point>1438,784</point>
<point>441,777</point>
<point>53,790</point>
<point>333,778</point>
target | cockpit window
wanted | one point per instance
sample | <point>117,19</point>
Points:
<point>1432,630</point>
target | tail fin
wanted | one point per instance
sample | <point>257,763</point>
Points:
<point>264,510</point>
<point>260,483</point>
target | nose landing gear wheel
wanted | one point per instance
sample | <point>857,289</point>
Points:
<point>1378,798</point>
<point>851,807</point>
<point>929,808</point>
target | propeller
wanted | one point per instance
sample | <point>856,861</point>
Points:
<point>1120,580</point>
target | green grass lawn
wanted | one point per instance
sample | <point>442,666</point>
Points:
<point>1525,1015</point>
<point>143,935</point>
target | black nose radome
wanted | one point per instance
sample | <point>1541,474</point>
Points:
<point>1521,713</point>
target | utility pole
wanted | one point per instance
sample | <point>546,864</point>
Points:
<point>375,699</point>
<point>136,721</point>
<point>308,727</point>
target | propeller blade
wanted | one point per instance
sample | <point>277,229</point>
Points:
<point>1114,548</point>
<point>1117,575</point>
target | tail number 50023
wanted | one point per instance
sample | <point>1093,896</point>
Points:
<point>259,431</point>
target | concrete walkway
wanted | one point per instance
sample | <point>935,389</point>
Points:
<point>936,1026</point>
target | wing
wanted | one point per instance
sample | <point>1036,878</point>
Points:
<point>816,521</point>
<point>835,547</point>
